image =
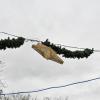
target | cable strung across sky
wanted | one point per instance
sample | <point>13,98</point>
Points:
<point>41,41</point>
<point>20,36</point>
<point>49,88</point>
<point>58,49</point>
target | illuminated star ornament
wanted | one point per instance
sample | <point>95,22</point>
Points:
<point>47,52</point>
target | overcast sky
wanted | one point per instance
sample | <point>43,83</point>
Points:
<point>68,22</point>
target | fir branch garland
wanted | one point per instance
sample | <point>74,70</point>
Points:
<point>68,53</point>
<point>11,43</point>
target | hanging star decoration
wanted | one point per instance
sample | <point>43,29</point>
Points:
<point>47,53</point>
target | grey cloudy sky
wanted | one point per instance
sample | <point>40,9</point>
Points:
<point>68,22</point>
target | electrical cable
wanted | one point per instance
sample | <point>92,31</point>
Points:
<point>44,89</point>
<point>33,40</point>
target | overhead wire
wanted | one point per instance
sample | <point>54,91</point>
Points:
<point>49,88</point>
<point>34,40</point>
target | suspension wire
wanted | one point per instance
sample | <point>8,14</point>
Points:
<point>49,88</point>
<point>75,47</point>
<point>9,34</point>
<point>69,46</point>
<point>33,40</point>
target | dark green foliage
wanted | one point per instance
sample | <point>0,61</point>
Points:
<point>15,43</point>
<point>68,53</point>
<point>11,43</point>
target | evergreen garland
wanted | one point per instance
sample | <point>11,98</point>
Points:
<point>15,43</point>
<point>68,53</point>
<point>11,43</point>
